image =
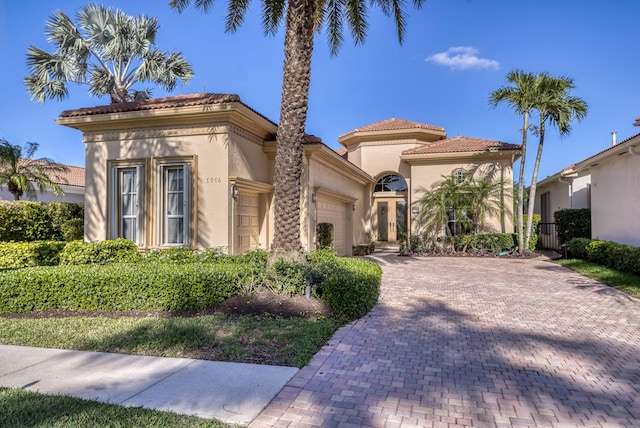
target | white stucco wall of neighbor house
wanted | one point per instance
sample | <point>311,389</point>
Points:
<point>615,199</point>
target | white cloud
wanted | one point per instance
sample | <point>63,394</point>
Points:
<point>462,58</point>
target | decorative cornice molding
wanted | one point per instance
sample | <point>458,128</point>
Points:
<point>140,134</point>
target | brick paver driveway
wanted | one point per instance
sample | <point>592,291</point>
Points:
<point>475,342</point>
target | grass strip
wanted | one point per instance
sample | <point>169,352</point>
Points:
<point>218,337</point>
<point>624,281</point>
<point>20,408</point>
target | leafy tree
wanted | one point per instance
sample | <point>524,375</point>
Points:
<point>557,106</point>
<point>522,96</point>
<point>108,50</point>
<point>461,206</point>
<point>22,174</point>
<point>303,18</point>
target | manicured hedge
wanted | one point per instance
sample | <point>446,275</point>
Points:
<point>112,251</point>
<point>353,287</point>
<point>572,223</point>
<point>625,258</point>
<point>25,254</point>
<point>119,287</point>
<point>39,221</point>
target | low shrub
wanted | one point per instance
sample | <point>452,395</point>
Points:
<point>184,255</point>
<point>116,251</point>
<point>324,233</point>
<point>26,254</point>
<point>353,287</point>
<point>119,287</point>
<point>578,247</point>
<point>72,230</point>
<point>22,221</point>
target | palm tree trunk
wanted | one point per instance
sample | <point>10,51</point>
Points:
<point>298,48</point>
<point>520,211</point>
<point>532,189</point>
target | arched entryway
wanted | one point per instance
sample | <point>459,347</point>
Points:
<point>390,208</point>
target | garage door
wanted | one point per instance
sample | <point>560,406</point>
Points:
<point>247,222</point>
<point>335,213</point>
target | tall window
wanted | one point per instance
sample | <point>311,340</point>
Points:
<point>460,176</point>
<point>174,193</point>
<point>127,203</point>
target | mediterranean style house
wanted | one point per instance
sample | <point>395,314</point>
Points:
<point>198,171</point>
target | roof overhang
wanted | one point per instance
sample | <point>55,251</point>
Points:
<point>419,134</point>
<point>429,158</point>
<point>233,113</point>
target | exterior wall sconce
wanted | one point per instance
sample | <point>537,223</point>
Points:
<point>354,207</point>
<point>314,198</point>
<point>415,210</point>
<point>234,192</point>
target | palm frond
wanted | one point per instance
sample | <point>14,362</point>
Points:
<point>236,10</point>
<point>272,15</point>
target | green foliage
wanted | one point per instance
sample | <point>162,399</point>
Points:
<point>353,287</point>
<point>578,247</point>
<point>108,50</point>
<point>72,230</point>
<point>572,223</point>
<point>621,257</point>
<point>119,286</point>
<point>25,254</point>
<point>324,233</point>
<point>184,255</point>
<point>116,251</point>
<point>38,221</point>
<point>473,243</point>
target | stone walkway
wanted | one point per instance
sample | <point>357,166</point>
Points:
<point>475,342</point>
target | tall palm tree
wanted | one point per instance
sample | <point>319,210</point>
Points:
<point>303,19</point>
<point>485,198</point>
<point>109,51</point>
<point>22,174</point>
<point>557,106</point>
<point>521,95</point>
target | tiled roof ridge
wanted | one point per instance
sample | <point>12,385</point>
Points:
<point>184,100</point>
<point>394,124</point>
<point>74,176</point>
<point>461,144</point>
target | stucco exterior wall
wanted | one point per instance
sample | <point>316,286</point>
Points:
<point>424,175</point>
<point>210,189</point>
<point>334,183</point>
<point>384,157</point>
<point>615,199</point>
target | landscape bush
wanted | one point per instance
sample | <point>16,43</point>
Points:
<point>572,223</point>
<point>27,254</point>
<point>22,221</point>
<point>353,287</point>
<point>111,251</point>
<point>625,258</point>
<point>119,287</point>
<point>113,275</point>
<point>578,247</point>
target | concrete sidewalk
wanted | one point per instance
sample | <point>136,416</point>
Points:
<point>230,392</point>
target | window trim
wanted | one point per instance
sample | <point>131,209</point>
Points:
<point>161,194</point>
<point>115,224</point>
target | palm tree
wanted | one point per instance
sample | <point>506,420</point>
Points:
<point>109,51</point>
<point>22,174</point>
<point>522,96</point>
<point>485,198</point>
<point>303,19</point>
<point>557,106</point>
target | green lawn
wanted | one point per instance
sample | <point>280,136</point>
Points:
<point>20,408</point>
<point>627,282</point>
<point>218,337</point>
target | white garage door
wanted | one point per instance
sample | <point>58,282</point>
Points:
<point>247,222</point>
<point>335,213</point>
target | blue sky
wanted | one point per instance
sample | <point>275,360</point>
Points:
<point>455,53</point>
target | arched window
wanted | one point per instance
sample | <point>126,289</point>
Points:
<point>391,183</point>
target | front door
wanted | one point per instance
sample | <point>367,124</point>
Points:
<point>383,221</point>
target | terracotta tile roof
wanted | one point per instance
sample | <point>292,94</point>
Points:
<point>74,176</point>
<point>342,152</point>
<point>155,104</point>
<point>461,144</point>
<point>394,124</point>
<point>311,139</point>
<point>637,122</point>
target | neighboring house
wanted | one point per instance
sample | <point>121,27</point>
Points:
<point>198,171</point>
<point>71,182</point>
<point>608,183</point>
